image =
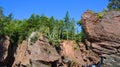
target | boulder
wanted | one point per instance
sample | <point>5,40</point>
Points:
<point>38,54</point>
<point>103,34</point>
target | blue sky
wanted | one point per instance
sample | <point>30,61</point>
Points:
<point>22,9</point>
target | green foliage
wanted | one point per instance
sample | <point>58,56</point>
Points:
<point>80,37</point>
<point>114,5</point>
<point>79,22</point>
<point>76,46</point>
<point>101,14</point>
<point>1,12</point>
<point>55,30</point>
<point>54,42</point>
<point>34,39</point>
<point>67,23</point>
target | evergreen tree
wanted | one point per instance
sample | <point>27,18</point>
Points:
<point>114,5</point>
<point>1,12</point>
<point>61,29</point>
<point>72,29</point>
<point>54,29</point>
<point>67,22</point>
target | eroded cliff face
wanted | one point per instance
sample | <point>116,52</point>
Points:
<point>104,35</point>
<point>77,54</point>
<point>102,45</point>
<point>4,44</point>
<point>42,54</point>
<point>6,52</point>
<point>38,54</point>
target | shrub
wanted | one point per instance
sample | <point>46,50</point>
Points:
<point>34,39</point>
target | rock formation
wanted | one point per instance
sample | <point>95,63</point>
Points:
<point>6,58</point>
<point>104,35</point>
<point>39,54</point>
<point>77,54</point>
<point>102,45</point>
<point>42,54</point>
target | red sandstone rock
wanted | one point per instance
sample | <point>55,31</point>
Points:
<point>104,35</point>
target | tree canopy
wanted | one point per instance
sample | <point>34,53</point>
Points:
<point>53,29</point>
<point>114,5</point>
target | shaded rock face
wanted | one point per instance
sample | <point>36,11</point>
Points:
<point>4,44</point>
<point>42,54</point>
<point>103,35</point>
<point>39,54</point>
